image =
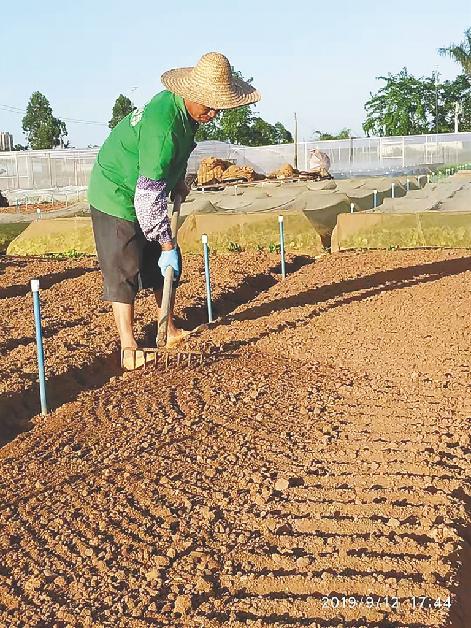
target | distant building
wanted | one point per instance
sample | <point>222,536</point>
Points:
<point>6,140</point>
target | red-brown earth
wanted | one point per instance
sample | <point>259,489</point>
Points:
<point>314,472</point>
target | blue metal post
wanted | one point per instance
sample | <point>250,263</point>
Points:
<point>39,344</point>
<point>282,246</point>
<point>393,189</point>
<point>375,198</point>
<point>204,240</point>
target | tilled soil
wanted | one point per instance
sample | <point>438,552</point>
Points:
<point>313,472</point>
<point>33,208</point>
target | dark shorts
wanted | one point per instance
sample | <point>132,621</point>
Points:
<point>127,260</point>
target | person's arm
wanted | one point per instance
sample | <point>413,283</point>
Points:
<point>150,203</point>
<point>157,149</point>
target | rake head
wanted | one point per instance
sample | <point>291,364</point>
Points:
<point>142,357</point>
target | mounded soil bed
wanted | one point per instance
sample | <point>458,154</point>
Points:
<point>313,472</point>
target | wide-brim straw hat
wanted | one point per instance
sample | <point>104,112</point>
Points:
<point>211,83</point>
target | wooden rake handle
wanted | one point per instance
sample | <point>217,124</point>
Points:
<point>162,326</point>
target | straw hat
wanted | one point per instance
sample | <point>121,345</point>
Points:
<point>211,83</point>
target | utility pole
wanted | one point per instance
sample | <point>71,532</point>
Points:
<point>458,112</point>
<point>436,102</point>
<point>295,141</point>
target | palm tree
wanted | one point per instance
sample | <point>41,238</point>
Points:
<point>461,53</point>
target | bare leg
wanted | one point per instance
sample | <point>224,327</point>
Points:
<point>173,333</point>
<point>124,318</point>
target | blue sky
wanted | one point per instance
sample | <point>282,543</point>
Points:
<point>319,59</point>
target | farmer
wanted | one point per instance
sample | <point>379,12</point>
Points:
<point>143,160</point>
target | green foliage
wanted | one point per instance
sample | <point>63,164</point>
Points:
<point>121,108</point>
<point>343,134</point>
<point>449,93</point>
<point>72,254</point>
<point>9,232</point>
<point>233,247</point>
<point>241,126</point>
<point>407,105</point>
<point>234,125</point>
<point>262,133</point>
<point>274,247</point>
<point>43,131</point>
<point>461,53</point>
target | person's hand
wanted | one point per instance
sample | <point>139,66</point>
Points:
<point>169,258</point>
<point>181,189</point>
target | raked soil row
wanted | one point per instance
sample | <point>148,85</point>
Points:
<point>315,473</point>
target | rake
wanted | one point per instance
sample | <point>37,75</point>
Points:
<point>161,355</point>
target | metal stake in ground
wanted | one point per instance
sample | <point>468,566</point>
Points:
<point>282,246</point>
<point>375,198</point>
<point>39,344</point>
<point>204,240</point>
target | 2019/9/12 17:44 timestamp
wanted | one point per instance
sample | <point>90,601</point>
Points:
<point>391,603</point>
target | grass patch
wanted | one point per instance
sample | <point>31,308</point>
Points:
<point>234,247</point>
<point>8,232</point>
<point>273,247</point>
<point>72,254</point>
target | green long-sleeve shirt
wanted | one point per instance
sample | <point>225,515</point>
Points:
<point>153,142</point>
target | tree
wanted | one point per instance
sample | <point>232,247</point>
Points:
<point>43,131</point>
<point>262,133</point>
<point>449,94</point>
<point>282,135</point>
<point>241,126</point>
<point>122,107</point>
<point>407,105</point>
<point>235,125</point>
<point>400,107</point>
<point>343,134</point>
<point>461,53</point>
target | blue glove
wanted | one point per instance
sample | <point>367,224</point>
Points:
<point>169,258</point>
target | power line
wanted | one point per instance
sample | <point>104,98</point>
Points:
<point>12,109</point>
